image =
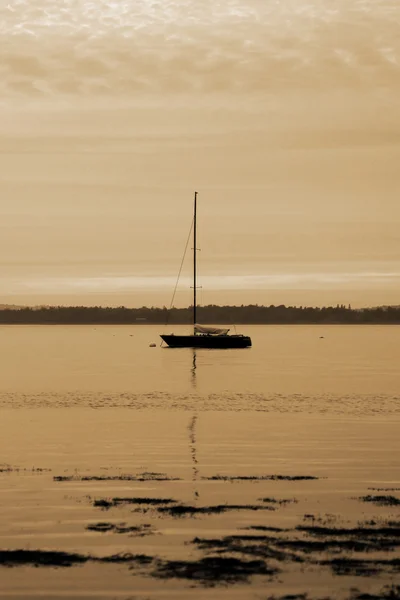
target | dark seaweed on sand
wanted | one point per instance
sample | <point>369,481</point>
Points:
<point>382,523</point>
<point>386,530</point>
<point>385,489</point>
<point>49,558</point>
<point>260,546</point>
<point>296,545</point>
<point>125,477</point>
<point>106,504</point>
<point>281,501</point>
<point>306,546</point>
<point>381,500</point>
<point>10,469</point>
<point>168,506</point>
<point>387,593</point>
<point>182,510</point>
<point>209,571</point>
<point>213,570</point>
<point>40,558</point>
<point>362,567</point>
<point>261,478</point>
<point>291,597</point>
<point>265,528</point>
<point>294,549</point>
<point>101,527</point>
<point>122,528</point>
<point>141,559</point>
<point>103,503</point>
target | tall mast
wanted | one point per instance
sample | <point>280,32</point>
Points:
<point>194,258</point>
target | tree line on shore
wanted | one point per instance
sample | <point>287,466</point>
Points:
<point>212,314</point>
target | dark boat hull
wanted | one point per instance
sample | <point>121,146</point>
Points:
<point>207,341</point>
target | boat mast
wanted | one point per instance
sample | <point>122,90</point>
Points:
<point>194,258</point>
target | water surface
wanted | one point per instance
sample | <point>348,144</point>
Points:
<point>319,368</point>
<point>307,418</point>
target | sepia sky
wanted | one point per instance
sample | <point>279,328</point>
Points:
<point>284,115</point>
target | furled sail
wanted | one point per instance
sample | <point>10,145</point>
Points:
<point>210,330</point>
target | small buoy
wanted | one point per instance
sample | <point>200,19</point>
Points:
<point>152,345</point>
<point>321,337</point>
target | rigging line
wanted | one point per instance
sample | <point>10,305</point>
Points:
<point>180,271</point>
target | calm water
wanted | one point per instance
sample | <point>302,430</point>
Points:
<point>310,368</point>
<point>159,411</point>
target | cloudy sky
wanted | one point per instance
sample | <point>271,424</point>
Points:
<point>284,115</point>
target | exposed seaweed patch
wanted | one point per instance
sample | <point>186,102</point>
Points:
<point>263,543</point>
<point>362,568</point>
<point>291,597</point>
<point>49,558</point>
<point>265,528</point>
<point>101,527</point>
<point>325,519</point>
<point>141,559</point>
<point>152,476</point>
<point>381,500</point>
<point>182,510</point>
<point>261,478</point>
<point>103,503</point>
<point>122,528</point>
<point>106,504</point>
<point>271,500</point>
<point>40,558</point>
<point>259,546</point>
<point>338,545</point>
<point>4,468</point>
<point>385,489</point>
<point>212,571</point>
<point>7,469</point>
<point>351,532</point>
<point>305,546</point>
<point>125,477</point>
<point>379,522</point>
<point>387,593</point>
<point>378,537</point>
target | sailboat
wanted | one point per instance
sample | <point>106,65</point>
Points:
<point>203,336</point>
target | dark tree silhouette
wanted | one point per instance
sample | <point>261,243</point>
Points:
<point>211,314</point>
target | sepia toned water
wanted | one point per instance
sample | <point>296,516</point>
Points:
<point>93,413</point>
<point>313,365</point>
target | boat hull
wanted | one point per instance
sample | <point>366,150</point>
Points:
<point>207,341</point>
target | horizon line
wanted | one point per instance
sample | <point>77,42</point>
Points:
<point>342,305</point>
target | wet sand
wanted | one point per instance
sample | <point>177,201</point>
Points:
<point>119,503</point>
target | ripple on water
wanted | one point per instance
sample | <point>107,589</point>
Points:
<point>360,404</point>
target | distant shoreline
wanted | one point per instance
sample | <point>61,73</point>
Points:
<point>212,314</point>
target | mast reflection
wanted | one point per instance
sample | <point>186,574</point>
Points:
<point>193,369</point>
